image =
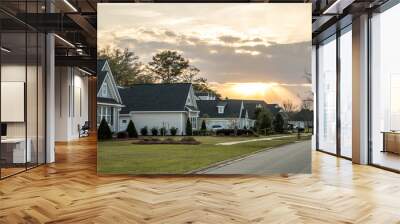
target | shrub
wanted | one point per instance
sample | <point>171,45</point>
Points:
<point>239,132</point>
<point>163,131</point>
<point>225,132</point>
<point>131,130</point>
<point>278,123</point>
<point>154,131</point>
<point>173,131</point>
<point>203,126</point>
<point>188,139</point>
<point>144,131</point>
<point>189,130</point>
<point>104,131</point>
<point>122,134</point>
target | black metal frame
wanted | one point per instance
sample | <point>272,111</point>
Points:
<point>339,32</point>
<point>44,77</point>
<point>389,4</point>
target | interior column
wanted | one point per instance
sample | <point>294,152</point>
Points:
<point>360,90</point>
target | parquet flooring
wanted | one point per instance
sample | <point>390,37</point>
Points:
<point>69,191</point>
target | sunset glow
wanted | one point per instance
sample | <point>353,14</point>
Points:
<point>246,58</point>
<point>251,89</point>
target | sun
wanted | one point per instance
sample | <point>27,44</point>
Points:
<point>251,89</point>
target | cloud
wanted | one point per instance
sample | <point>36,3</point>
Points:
<point>230,39</point>
<point>262,46</point>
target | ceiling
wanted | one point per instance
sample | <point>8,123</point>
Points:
<point>75,21</point>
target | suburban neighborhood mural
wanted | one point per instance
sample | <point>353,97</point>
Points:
<point>180,93</point>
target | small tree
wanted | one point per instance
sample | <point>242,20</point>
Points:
<point>154,131</point>
<point>189,130</point>
<point>163,131</point>
<point>104,131</point>
<point>203,127</point>
<point>173,131</point>
<point>278,123</point>
<point>144,131</point>
<point>264,121</point>
<point>131,129</point>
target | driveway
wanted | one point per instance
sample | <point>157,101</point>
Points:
<point>292,158</point>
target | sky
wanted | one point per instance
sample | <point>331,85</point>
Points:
<point>245,50</point>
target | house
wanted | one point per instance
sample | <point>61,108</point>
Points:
<point>159,105</point>
<point>225,113</point>
<point>205,96</point>
<point>109,102</point>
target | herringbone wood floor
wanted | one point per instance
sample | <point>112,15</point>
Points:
<point>69,191</point>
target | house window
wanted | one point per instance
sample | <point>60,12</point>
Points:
<point>104,90</point>
<point>124,121</point>
<point>193,120</point>
<point>220,109</point>
<point>106,113</point>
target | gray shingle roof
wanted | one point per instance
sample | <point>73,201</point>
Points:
<point>101,75</point>
<point>251,106</point>
<point>155,97</point>
<point>209,107</point>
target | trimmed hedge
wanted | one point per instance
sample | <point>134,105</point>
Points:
<point>239,132</point>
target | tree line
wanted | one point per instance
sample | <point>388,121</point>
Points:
<point>165,67</point>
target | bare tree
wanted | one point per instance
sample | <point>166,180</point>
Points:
<point>288,106</point>
<point>307,104</point>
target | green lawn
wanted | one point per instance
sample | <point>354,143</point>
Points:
<point>123,157</point>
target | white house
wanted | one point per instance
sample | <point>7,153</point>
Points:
<point>109,102</point>
<point>227,114</point>
<point>159,105</point>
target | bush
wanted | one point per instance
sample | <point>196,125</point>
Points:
<point>104,131</point>
<point>163,131</point>
<point>144,131</point>
<point>239,132</point>
<point>188,139</point>
<point>189,130</point>
<point>131,130</point>
<point>154,131</point>
<point>278,123</point>
<point>173,131</point>
<point>203,126</point>
<point>122,134</point>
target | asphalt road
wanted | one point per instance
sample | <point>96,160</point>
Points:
<point>292,158</point>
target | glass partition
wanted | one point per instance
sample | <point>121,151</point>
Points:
<point>22,77</point>
<point>385,89</point>
<point>346,93</point>
<point>327,95</point>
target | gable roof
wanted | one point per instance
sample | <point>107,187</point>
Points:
<point>104,71</point>
<point>155,97</point>
<point>209,107</point>
<point>101,75</point>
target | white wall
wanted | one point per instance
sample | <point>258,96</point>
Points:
<point>71,103</point>
<point>156,119</point>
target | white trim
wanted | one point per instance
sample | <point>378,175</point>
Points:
<point>110,104</point>
<point>139,112</point>
<point>111,77</point>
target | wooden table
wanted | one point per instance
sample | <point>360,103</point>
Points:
<point>391,141</point>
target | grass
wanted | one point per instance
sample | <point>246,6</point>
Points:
<point>123,157</point>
